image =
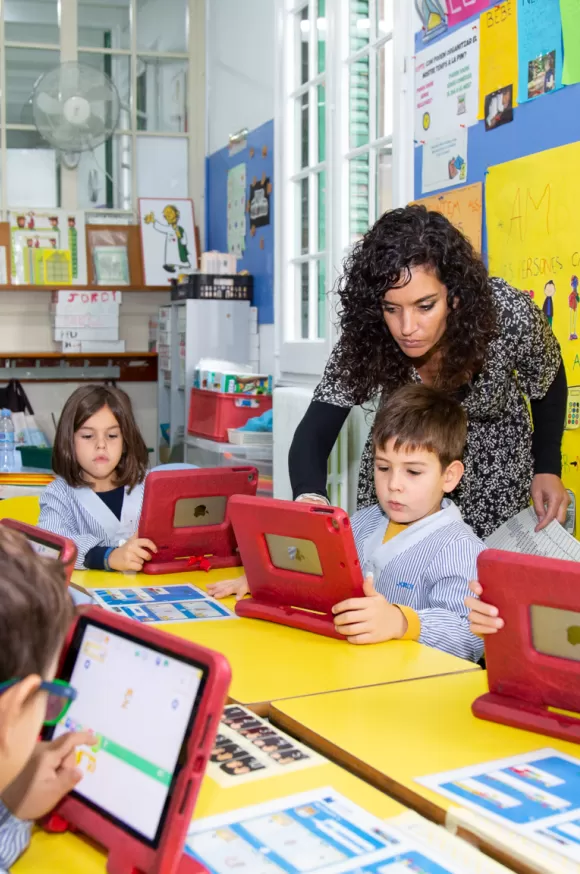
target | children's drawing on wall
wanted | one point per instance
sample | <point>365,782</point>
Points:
<point>573,300</point>
<point>433,15</point>
<point>259,203</point>
<point>236,210</point>
<point>499,108</point>
<point>167,237</point>
<point>57,230</point>
<point>548,307</point>
<point>542,74</point>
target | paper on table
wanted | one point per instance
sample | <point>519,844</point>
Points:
<point>518,535</point>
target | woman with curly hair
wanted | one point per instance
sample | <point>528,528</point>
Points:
<point>417,305</point>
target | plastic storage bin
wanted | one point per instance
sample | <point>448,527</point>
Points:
<point>211,413</point>
<point>209,453</point>
<point>210,286</point>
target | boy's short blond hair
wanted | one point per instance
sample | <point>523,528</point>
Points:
<point>419,417</point>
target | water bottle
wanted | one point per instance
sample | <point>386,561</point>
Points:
<point>7,460</point>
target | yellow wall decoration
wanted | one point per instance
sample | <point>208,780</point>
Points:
<point>498,51</point>
<point>463,207</point>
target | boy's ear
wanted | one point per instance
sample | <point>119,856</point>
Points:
<point>452,476</point>
<point>12,702</point>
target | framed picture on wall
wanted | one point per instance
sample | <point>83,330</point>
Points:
<point>168,238</point>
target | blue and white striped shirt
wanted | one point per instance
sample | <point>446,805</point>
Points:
<point>14,838</point>
<point>427,567</point>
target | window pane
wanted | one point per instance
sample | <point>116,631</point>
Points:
<point>321,34</point>
<point>303,272</point>
<point>303,129</point>
<point>321,211</point>
<point>161,95</point>
<point>303,42</point>
<point>384,17</point>
<point>384,181</point>
<point>303,194</point>
<point>359,103</point>
<point>32,170</point>
<point>321,123</point>
<point>162,167</point>
<point>23,68</point>
<point>104,175</point>
<point>385,94</point>
<point>117,68</point>
<point>359,197</point>
<point>321,267</point>
<point>162,26</point>
<point>360,24</point>
<point>31,21</point>
<point>103,24</point>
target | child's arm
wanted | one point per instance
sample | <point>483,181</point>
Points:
<point>55,516</point>
<point>237,587</point>
<point>483,618</point>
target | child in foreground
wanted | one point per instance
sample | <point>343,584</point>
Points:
<point>416,552</point>
<point>100,459</point>
<point>35,613</point>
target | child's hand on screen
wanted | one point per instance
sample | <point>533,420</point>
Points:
<point>51,773</point>
<point>237,587</point>
<point>369,620</point>
<point>132,555</point>
<point>483,618</point>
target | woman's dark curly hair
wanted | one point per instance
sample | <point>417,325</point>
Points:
<point>402,239</point>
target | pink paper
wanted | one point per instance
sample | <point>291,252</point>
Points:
<point>459,10</point>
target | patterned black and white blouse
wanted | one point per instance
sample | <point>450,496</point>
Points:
<point>523,359</point>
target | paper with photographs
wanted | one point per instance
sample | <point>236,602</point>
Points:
<point>250,748</point>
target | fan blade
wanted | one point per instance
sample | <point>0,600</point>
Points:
<point>47,104</point>
<point>95,128</point>
<point>99,93</point>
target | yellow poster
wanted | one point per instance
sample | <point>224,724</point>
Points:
<point>532,208</point>
<point>463,207</point>
<point>498,55</point>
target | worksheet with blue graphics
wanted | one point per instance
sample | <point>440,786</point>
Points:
<point>151,604</point>
<point>319,830</point>
<point>536,794</point>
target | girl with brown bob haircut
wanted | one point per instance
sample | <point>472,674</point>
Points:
<point>100,460</point>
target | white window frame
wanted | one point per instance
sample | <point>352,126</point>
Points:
<point>302,361</point>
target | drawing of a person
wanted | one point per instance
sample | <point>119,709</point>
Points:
<point>176,246</point>
<point>548,308</point>
<point>573,300</point>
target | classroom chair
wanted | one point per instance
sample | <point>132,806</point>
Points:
<point>24,509</point>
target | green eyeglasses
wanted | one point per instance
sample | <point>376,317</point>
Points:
<point>60,697</point>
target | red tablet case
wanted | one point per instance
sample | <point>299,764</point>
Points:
<point>126,853</point>
<point>68,550</point>
<point>288,596</point>
<point>195,547</point>
<point>524,683</point>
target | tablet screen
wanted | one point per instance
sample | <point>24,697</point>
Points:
<point>41,547</point>
<point>140,703</point>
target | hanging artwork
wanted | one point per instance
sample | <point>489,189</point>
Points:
<point>168,239</point>
<point>31,230</point>
<point>259,203</point>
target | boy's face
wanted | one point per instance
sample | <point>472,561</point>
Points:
<point>22,713</point>
<point>410,484</point>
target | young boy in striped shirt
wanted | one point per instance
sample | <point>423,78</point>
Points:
<point>417,553</point>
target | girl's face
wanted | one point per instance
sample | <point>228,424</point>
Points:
<point>416,313</point>
<point>98,447</point>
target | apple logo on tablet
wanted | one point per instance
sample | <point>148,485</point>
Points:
<point>573,634</point>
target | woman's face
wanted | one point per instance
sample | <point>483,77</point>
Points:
<point>416,313</point>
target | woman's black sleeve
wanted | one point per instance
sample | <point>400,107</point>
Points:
<point>312,444</point>
<point>549,418</point>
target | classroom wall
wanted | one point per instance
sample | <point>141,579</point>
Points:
<point>240,94</point>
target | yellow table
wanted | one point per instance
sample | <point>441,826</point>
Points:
<point>271,661</point>
<point>70,854</point>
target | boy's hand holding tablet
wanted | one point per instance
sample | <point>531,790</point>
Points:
<point>370,619</point>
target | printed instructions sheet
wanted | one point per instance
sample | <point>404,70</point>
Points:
<point>319,830</point>
<point>181,603</point>
<point>249,748</point>
<point>518,535</point>
<point>536,794</point>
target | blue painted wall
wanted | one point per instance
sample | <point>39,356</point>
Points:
<point>256,260</point>
<point>544,123</point>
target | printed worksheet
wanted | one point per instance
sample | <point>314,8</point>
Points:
<point>249,748</point>
<point>519,535</point>
<point>536,794</point>
<point>151,604</point>
<point>316,831</point>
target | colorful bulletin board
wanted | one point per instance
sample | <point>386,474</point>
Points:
<point>529,167</point>
<point>463,206</point>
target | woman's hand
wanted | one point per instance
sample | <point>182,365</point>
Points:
<point>238,587</point>
<point>483,618</point>
<point>369,620</point>
<point>132,555</point>
<point>311,499</point>
<point>550,499</point>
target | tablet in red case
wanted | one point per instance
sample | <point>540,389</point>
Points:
<point>300,560</point>
<point>46,543</point>
<point>185,514</point>
<point>533,663</point>
<point>154,702</point>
